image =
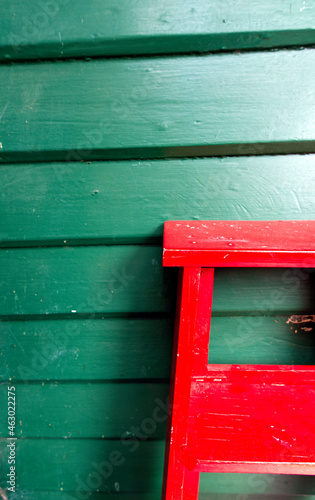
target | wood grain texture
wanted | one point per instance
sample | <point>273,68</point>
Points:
<point>109,410</point>
<point>130,279</point>
<point>234,104</point>
<point>128,201</point>
<point>104,28</point>
<point>120,349</point>
<point>140,471</point>
<point>131,466</point>
<point>86,349</point>
<point>84,280</point>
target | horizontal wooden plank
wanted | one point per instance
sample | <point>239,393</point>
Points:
<point>140,469</point>
<point>86,349</point>
<point>113,202</point>
<point>277,340</point>
<point>129,466</point>
<point>77,280</point>
<point>107,410</point>
<point>251,236</point>
<point>130,279</point>
<point>53,29</point>
<point>257,484</point>
<point>118,349</point>
<point>163,107</point>
<point>239,243</point>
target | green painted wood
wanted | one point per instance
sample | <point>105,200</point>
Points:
<point>128,202</point>
<point>130,466</point>
<point>274,340</point>
<point>54,461</point>
<point>130,279</point>
<point>119,349</point>
<point>89,349</point>
<point>53,29</point>
<point>257,484</point>
<point>75,280</point>
<point>106,410</point>
<point>251,103</point>
<point>72,495</point>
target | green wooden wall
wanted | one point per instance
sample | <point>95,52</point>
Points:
<point>114,117</point>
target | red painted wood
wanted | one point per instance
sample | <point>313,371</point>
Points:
<point>202,332</point>
<point>239,244</point>
<point>233,418</point>
<point>253,419</point>
<point>193,304</point>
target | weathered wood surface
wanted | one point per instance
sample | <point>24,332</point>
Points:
<point>129,279</point>
<point>234,104</point>
<point>140,471</point>
<point>120,349</point>
<point>86,349</point>
<point>106,410</point>
<point>74,280</point>
<point>128,201</point>
<point>104,28</point>
<point>252,419</point>
<point>276,244</point>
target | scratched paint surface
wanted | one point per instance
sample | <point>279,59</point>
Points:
<point>53,29</point>
<point>159,107</point>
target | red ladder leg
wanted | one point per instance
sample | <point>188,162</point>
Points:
<point>190,345</point>
<point>191,485</point>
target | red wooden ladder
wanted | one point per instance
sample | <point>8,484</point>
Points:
<point>232,418</point>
